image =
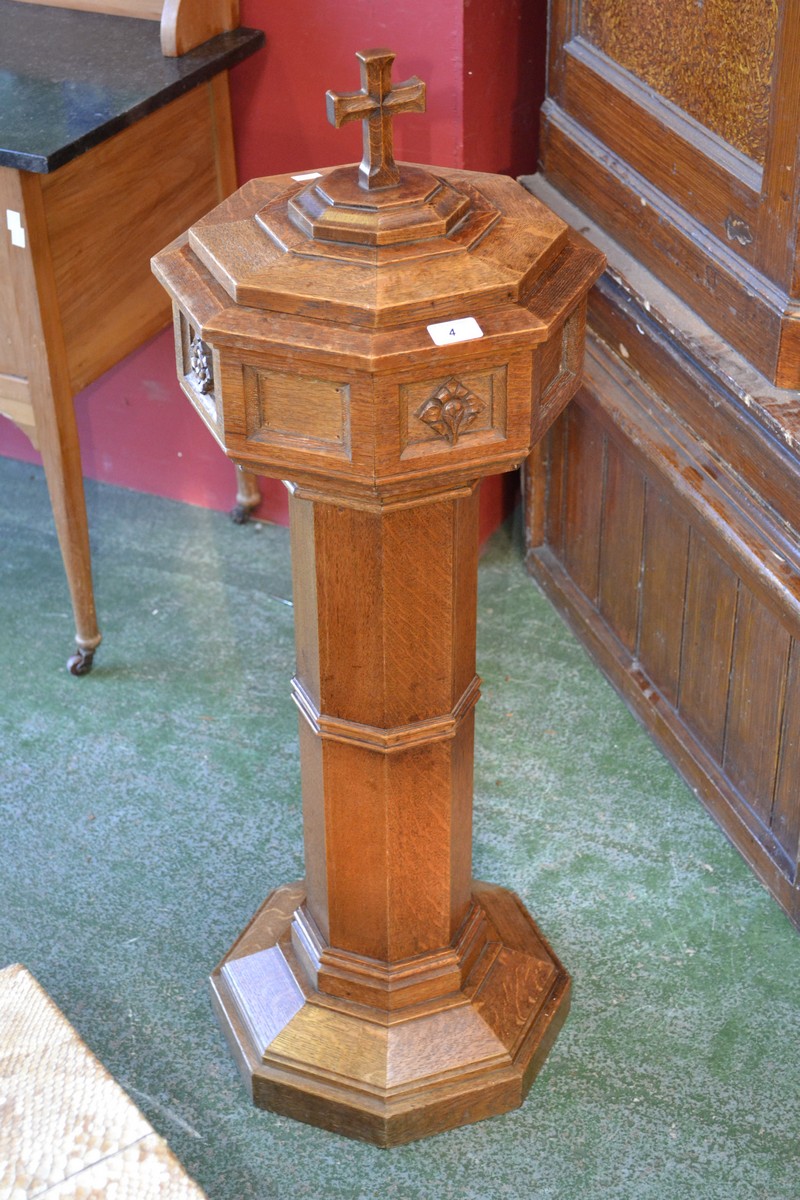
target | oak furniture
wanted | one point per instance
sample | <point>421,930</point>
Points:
<point>664,510</point>
<point>106,149</point>
<point>382,337</point>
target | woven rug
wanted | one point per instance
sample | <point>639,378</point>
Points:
<point>67,1130</point>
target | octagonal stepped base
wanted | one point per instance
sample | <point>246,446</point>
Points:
<point>386,1074</point>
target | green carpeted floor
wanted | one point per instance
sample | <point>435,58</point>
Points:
<point>147,809</point>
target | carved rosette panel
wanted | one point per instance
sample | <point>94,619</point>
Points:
<point>202,374</point>
<point>451,410</point>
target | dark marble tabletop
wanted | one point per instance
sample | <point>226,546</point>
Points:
<point>69,80</point>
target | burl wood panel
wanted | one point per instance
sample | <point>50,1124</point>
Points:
<point>713,60</point>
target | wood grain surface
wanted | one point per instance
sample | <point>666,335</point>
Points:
<point>675,128</point>
<point>428,1001</point>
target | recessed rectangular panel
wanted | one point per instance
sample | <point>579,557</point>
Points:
<point>302,410</point>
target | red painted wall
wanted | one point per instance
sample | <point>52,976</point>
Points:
<point>483,63</point>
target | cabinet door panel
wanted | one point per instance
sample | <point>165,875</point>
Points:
<point>723,73</point>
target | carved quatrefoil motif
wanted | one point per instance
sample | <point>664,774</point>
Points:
<point>451,410</point>
<point>200,365</point>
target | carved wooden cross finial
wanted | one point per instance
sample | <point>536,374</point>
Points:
<point>376,105</point>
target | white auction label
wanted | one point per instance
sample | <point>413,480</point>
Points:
<point>14,223</point>
<point>462,330</point>
<point>308,175</point>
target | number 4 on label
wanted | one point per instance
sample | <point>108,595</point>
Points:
<point>462,330</point>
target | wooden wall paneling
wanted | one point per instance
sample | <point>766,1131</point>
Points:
<point>755,711</point>
<point>555,461</point>
<point>563,25</point>
<point>585,475</point>
<point>689,165</point>
<point>777,239</point>
<point>735,423</point>
<point>696,308</point>
<point>785,821</point>
<point>621,545</point>
<point>679,739</point>
<point>711,595</point>
<point>673,245</point>
<point>665,558</point>
<point>742,532</point>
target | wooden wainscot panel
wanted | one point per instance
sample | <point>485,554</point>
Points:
<point>711,593</point>
<point>734,300</point>
<point>758,443</point>
<point>621,545</point>
<point>786,810</point>
<point>585,473</point>
<point>687,165</point>
<point>755,711</point>
<point>712,671</point>
<point>664,558</point>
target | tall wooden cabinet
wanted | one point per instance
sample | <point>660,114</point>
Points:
<point>664,511</point>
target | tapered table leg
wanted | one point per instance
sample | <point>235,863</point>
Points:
<point>57,438</point>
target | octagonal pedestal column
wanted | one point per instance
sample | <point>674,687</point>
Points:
<point>388,996</point>
<point>384,336</point>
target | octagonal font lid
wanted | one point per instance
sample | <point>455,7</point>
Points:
<point>379,243</point>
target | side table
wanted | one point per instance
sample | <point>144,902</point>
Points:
<point>107,150</point>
